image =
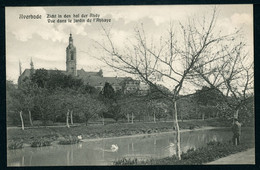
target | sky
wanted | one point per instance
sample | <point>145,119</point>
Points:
<point>46,42</point>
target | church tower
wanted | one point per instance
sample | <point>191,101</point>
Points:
<point>71,59</point>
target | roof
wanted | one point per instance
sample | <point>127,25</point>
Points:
<point>100,81</point>
<point>90,78</point>
<point>82,73</point>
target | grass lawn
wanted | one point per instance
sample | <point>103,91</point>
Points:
<point>108,130</point>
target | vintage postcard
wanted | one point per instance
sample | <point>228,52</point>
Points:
<point>130,85</point>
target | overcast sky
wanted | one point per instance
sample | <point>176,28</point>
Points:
<point>45,43</point>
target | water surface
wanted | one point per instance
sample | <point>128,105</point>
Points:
<point>97,152</point>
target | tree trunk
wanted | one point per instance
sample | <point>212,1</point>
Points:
<point>236,114</point>
<point>21,116</point>
<point>30,118</point>
<point>132,118</point>
<point>67,118</point>
<point>103,120</point>
<point>181,117</point>
<point>203,116</point>
<point>71,117</point>
<point>154,120</point>
<point>178,137</point>
<point>128,119</point>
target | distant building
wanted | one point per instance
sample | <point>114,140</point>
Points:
<point>95,79</point>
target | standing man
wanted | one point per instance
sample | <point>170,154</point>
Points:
<point>236,129</point>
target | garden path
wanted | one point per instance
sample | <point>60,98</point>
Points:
<point>246,157</point>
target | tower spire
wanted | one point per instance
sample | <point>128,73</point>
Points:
<point>32,66</point>
<point>70,39</point>
<point>20,67</point>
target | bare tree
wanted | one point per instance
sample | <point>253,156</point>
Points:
<point>233,75</point>
<point>174,58</point>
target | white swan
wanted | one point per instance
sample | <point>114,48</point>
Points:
<point>114,148</point>
<point>80,137</point>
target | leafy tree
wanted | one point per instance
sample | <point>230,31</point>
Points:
<point>89,107</point>
<point>109,97</point>
<point>45,105</point>
<point>40,77</point>
<point>115,111</point>
<point>209,100</point>
<point>20,100</point>
<point>108,92</point>
<point>56,79</point>
<point>14,103</point>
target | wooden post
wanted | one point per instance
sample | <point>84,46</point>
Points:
<point>128,119</point>
<point>67,118</point>
<point>154,117</point>
<point>71,117</point>
<point>21,116</point>
<point>132,118</point>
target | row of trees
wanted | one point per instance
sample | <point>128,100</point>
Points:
<point>80,103</point>
<point>56,97</point>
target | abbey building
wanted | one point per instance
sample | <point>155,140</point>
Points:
<point>95,79</point>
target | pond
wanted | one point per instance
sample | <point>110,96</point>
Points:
<point>98,152</point>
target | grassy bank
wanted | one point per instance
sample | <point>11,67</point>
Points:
<point>212,151</point>
<point>110,130</point>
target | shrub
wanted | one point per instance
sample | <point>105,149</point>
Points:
<point>69,140</point>
<point>125,161</point>
<point>41,142</point>
<point>15,144</point>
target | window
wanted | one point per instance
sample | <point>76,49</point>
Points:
<point>71,56</point>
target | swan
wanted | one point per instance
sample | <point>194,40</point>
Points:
<point>80,137</point>
<point>114,147</point>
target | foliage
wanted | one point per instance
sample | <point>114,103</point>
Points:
<point>88,107</point>
<point>69,140</point>
<point>44,104</point>
<point>40,77</point>
<point>159,108</point>
<point>41,142</point>
<point>115,111</point>
<point>125,161</point>
<point>108,92</point>
<point>208,96</point>
<point>14,144</point>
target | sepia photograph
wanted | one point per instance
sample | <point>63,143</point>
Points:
<point>130,85</point>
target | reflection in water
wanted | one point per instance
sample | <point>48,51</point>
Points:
<point>68,157</point>
<point>30,159</point>
<point>99,152</point>
<point>23,161</point>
